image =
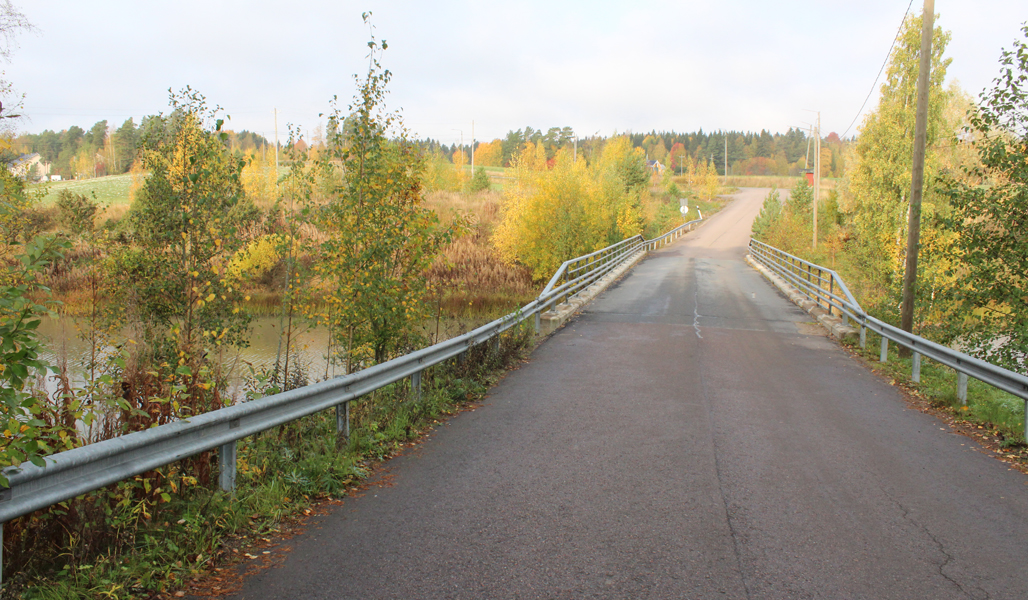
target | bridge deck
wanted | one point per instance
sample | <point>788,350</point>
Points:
<point>690,435</point>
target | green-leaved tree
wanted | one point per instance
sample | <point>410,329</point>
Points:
<point>990,219</point>
<point>380,239</point>
<point>880,181</point>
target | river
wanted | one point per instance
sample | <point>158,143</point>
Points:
<point>62,341</point>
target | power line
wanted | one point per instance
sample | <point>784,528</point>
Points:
<point>880,71</point>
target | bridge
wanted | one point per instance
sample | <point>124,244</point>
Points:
<point>691,434</point>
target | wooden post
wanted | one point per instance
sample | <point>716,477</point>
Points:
<point>917,169</point>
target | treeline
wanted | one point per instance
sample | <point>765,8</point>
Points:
<point>749,153</point>
<point>77,153</point>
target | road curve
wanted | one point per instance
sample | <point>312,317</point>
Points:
<point>690,435</point>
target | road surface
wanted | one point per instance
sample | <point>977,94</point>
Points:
<point>690,435</point>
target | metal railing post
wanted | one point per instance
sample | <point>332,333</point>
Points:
<point>885,350</point>
<point>538,323</point>
<point>863,337</point>
<point>415,386</point>
<point>343,420</point>
<point>962,388</point>
<point>831,292</point>
<point>227,466</point>
<point>915,367</point>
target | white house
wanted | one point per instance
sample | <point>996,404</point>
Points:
<point>30,167</point>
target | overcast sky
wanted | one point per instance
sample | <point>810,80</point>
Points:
<point>598,66</point>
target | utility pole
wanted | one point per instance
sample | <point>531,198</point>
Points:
<point>472,147</point>
<point>276,144</point>
<point>917,169</point>
<point>817,173</point>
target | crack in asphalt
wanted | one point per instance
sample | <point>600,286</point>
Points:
<point>942,550</point>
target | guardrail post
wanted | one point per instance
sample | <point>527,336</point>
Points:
<point>538,323</point>
<point>227,466</point>
<point>885,350</point>
<point>962,387</point>
<point>415,386</point>
<point>915,367</point>
<point>1025,439</point>
<point>343,420</point>
<point>863,337</point>
<point>831,292</point>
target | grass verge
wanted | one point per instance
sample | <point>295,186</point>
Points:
<point>992,416</point>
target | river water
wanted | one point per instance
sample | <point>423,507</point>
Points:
<point>309,347</point>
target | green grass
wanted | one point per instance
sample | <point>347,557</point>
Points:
<point>1000,413</point>
<point>781,182</point>
<point>112,190</point>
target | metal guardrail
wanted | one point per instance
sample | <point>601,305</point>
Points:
<point>72,473</point>
<point>825,287</point>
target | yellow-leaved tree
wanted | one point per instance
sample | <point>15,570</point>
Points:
<point>552,215</point>
<point>489,155</point>
<point>260,178</point>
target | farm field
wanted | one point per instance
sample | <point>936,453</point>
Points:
<point>110,191</point>
<point>777,181</point>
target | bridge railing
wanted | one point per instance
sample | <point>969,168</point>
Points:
<point>575,274</point>
<point>825,287</point>
<point>71,473</point>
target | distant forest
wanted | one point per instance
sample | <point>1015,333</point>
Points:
<point>77,153</point>
<point>749,153</point>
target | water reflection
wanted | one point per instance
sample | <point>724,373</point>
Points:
<point>308,352</point>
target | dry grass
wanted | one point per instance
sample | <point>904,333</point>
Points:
<point>469,276</point>
<point>482,207</point>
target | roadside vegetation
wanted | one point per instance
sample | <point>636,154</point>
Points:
<point>971,291</point>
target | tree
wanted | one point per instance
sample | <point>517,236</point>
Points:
<point>380,239</point>
<point>990,217</point>
<point>677,157</point>
<point>186,230</point>
<point>552,215</point>
<point>770,212</point>
<point>125,139</point>
<point>511,145</point>
<point>881,178</point>
<point>96,136</point>
<point>479,181</point>
<point>489,155</point>
<point>23,415</point>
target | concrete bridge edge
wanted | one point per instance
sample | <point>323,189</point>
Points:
<point>553,319</point>
<point>830,322</point>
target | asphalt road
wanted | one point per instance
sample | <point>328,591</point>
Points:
<point>690,435</point>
